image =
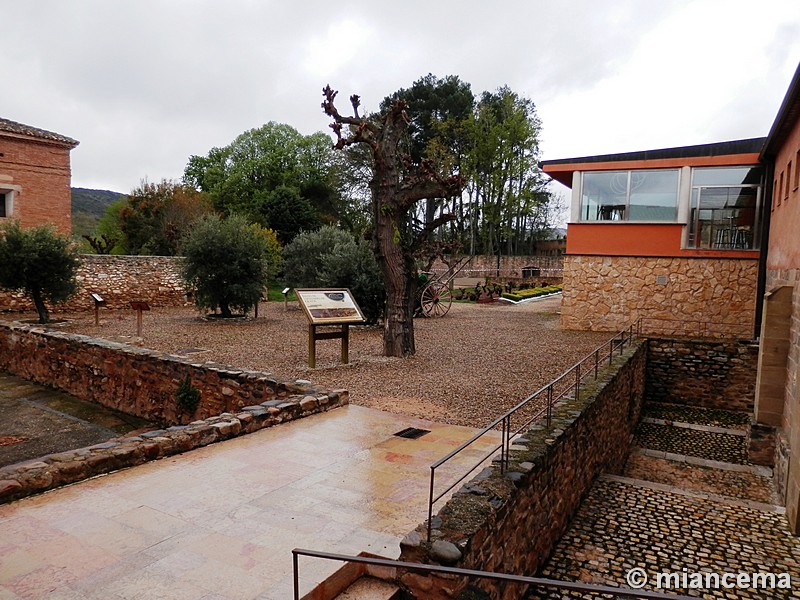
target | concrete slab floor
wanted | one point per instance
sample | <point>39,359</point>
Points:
<point>220,522</point>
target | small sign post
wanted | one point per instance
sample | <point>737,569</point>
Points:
<point>98,302</point>
<point>139,307</point>
<point>329,308</point>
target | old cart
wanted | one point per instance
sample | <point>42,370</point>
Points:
<point>433,296</point>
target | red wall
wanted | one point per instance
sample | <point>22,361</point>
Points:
<point>634,239</point>
<point>784,232</point>
<point>42,170</point>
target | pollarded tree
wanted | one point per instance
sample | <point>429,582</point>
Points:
<point>226,263</point>
<point>40,263</point>
<point>396,187</point>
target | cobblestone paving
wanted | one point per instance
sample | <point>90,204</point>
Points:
<point>622,526</point>
<point>703,444</point>
<point>744,485</point>
<point>700,416</point>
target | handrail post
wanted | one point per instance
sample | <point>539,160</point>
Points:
<point>577,381</point>
<point>596,362</point>
<point>295,576</point>
<point>430,504</point>
<point>549,404</point>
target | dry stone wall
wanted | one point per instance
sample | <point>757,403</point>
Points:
<point>704,373</point>
<point>118,279</point>
<point>673,296</point>
<point>509,522</point>
<point>139,381</point>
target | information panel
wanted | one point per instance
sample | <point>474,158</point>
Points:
<point>329,306</point>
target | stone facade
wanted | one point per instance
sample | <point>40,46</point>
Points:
<point>704,373</point>
<point>702,297</point>
<point>118,279</point>
<point>35,169</point>
<point>509,522</point>
<point>135,380</point>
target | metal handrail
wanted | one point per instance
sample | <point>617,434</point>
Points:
<point>507,577</point>
<point>561,387</point>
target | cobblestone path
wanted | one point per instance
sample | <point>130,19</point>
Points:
<point>680,520</point>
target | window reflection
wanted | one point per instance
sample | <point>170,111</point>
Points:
<point>630,195</point>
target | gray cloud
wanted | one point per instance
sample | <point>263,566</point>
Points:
<point>144,84</point>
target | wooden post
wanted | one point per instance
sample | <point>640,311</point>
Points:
<point>345,343</point>
<point>312,346</point>
<point>139,307</point>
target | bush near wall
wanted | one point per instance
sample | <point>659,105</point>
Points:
<point>532,293</point>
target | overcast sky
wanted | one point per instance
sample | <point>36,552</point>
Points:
<point>144,84</point>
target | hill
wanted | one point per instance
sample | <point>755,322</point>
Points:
<point>87,208</point>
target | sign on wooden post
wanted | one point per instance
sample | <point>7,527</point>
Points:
<point>98,302</point>
<point>326,307</point>
<point>139,307</point>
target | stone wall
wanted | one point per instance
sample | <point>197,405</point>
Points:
<point>135,380</point>
<point>62,468</point>
<point>509,266</point>
<point>118,279</point>
<point>509,522</point>
<point>673,296</point>
<point>704,373</point>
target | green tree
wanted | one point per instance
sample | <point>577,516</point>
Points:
<point>157,215</point>
<point>226,263</point>
<point>264,168</point>
<point>40,263</point>
<point>331,257</point>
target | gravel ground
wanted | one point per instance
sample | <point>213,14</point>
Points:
<point>470,366</point>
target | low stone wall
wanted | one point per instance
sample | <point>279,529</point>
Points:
<point>62,468</point>
<point>510,522</point>
<point>508,267</point>
<point>705,297</point>
<point>118,279</point>
<point>704,373</point>
<point>136,380</point>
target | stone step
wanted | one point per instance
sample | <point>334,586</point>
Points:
<point>370,588</point>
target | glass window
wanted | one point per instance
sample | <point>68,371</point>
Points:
<point>3,209</point>
<point>630,195</point>
<point>724,208</point>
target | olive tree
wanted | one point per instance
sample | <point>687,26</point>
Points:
<point>226,263</point>
<point>40,263</point>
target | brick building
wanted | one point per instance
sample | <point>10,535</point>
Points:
<point>777,400</point>
<point>35,176</point>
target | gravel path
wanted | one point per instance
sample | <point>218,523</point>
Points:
<point>470,366</point>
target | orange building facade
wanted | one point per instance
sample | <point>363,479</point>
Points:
<point>35,176</point>
<point>668,237</point>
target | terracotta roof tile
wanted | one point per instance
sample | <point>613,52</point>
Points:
<point>21,129</point>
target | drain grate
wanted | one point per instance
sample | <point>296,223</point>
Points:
<point>412,433</point>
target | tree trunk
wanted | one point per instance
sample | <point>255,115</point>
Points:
<point>225,310</point>
<point>44,315</point>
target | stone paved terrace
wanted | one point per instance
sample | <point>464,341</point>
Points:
<point>219,523</point>
<point>672,514</point>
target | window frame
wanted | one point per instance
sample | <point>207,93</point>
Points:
<point>626,208</point>
<point>692,226</point>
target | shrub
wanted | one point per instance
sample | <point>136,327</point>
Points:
<point>532,293</point>
<point>226,263</point>
<point>331,257</point>
<point>188,396</point>
<point>40,263</point>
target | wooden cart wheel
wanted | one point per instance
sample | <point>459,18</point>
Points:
<point>435,299</point>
